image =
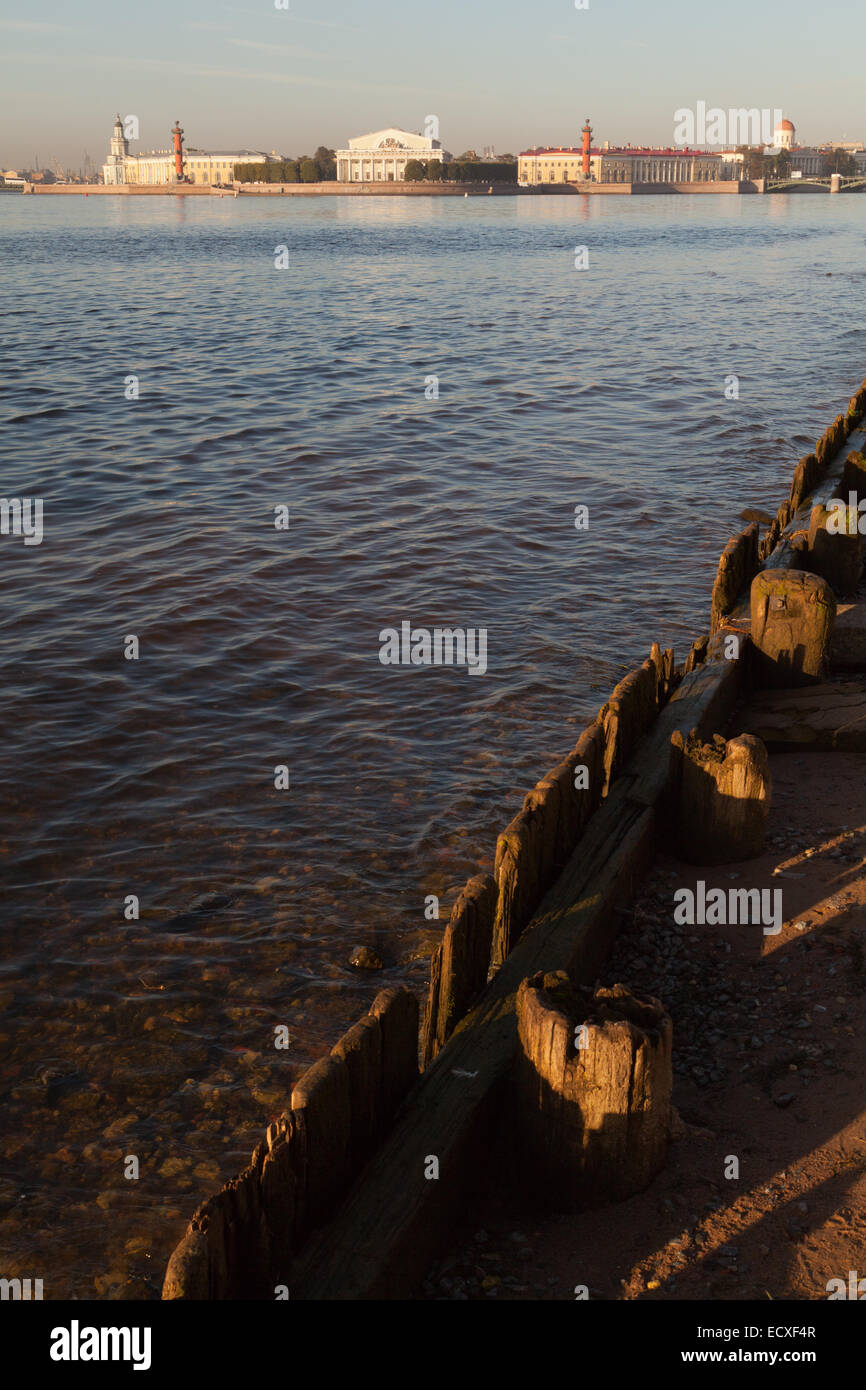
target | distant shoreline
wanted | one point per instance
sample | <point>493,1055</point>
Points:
<point>412,190</point>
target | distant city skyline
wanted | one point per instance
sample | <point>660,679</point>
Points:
<point>501,73</point>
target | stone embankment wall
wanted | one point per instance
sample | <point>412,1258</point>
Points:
<point>646,189</point>
<point>393,190</point>
<point>124,190</point>
<point>266,190</point>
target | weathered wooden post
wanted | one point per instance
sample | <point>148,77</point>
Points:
<point>458,969</point>
<point>807,475</point>
<point>628,714</point>
<point>738,562</point>
<point>321,1116</point>
<point>593,1091</point>
<point>697,655</point>
<point>792,615</point>
<point>532,850</point>
<point>724,798</point>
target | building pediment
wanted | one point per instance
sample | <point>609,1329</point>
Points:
<point>391,140</point>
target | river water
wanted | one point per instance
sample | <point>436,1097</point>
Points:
<point>308,387</point>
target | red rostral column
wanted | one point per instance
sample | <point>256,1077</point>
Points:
<point>178,151</point>
<point>587,141</point>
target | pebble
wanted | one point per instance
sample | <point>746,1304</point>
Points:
<point>118,1127</point>
<point>172,1167</point>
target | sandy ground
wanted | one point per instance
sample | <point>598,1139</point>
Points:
<point>768,1069</point>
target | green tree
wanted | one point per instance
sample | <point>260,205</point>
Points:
<point>309,171</point>
<point>415,171</point>
<point>434,170</point>
<point>753,161</point>
<point>481,172</point>
<point>839,162</point>
<point>325,163</point>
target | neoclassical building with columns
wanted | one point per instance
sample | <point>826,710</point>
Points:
<point>382,156</point>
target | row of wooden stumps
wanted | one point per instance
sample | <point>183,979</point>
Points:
<point>595,1069</point>
<point>593,1076</point>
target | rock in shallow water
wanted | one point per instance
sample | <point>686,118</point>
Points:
<point>365,958</point>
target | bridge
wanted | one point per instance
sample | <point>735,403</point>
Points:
<point>820,183</point>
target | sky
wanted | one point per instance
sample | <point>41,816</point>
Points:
<point>506,73</point>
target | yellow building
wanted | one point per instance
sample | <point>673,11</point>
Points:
<point>157,166</point>
<point>199,166</point>
<point>621,165</point>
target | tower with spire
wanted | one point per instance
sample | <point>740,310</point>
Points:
<point>114,170</point>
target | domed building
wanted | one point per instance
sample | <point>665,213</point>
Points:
<point>804,161</point>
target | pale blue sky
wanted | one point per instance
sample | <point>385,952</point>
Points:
<point>504,72</point>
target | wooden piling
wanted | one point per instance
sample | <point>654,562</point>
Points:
<point>663,661</point>
<point>738,564</point>
<point>322,1116</point>
<point>593,1088</point>
<point>397,1013</point>
<point>360,1050</point>
<point>724,798</point>
<point>853,477</point>
<point>458,970</point>
<point>226,1246</point>
<point>533,848</point>
<point>807,476</point>
<point>697,655</point>
<point>792,616</point>
<point>835,555</point>
<point>279,1193</point>
<point>631,709</point>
